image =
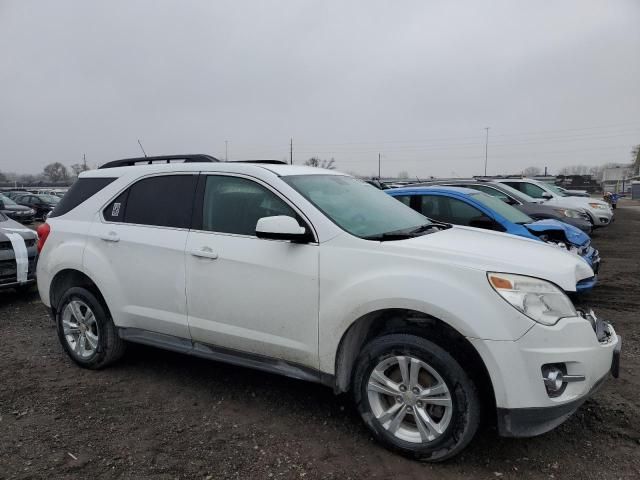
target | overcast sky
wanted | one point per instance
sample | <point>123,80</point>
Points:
<point>557,82</point>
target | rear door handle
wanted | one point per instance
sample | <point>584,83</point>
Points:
<point>110,237</point>
<point>204,252</point>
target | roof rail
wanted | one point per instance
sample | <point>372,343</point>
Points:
<point>268,162</point>
<point>129,162</point>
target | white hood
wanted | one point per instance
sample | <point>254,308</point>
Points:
<point>498,252</point>
<point>578,202</point>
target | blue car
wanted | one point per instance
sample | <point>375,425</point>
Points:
<point>464,206</point>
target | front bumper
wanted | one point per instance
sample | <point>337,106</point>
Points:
<point>586,347</point>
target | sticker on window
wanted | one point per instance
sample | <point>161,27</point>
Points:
<point>116,209</point>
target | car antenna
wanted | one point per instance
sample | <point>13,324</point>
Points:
<point>142,148</point>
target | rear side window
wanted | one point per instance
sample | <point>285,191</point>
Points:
<point>83,189</point>
<point>164,201</point>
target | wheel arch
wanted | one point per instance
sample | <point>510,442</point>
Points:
<point>399,320</point>
<point>68,278</point>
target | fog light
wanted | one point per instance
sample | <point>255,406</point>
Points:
<point>556,379</point>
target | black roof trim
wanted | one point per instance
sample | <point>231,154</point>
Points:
<point>189,158</point>
<point>267,162</point>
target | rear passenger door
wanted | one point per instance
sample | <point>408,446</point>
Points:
<point>136,251</point>
<point>246,293</point>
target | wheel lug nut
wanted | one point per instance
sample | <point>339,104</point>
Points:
<point>409,409</point>
<point>419,404</point>
<point>399,399</point>
<point>416,390</point>
<point>403,388</point>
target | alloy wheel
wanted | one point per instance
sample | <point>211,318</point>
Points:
<point>80,328</point>
<point>410,399</point>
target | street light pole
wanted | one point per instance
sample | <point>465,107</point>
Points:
<point>486,151</point>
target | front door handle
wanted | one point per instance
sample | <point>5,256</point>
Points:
<point>204,252</point>
<point>110,237</point>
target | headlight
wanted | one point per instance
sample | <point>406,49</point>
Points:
<point>538,299</point>
<point>598,206</point>
<point>569,213</point>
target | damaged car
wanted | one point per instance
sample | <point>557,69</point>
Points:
<point>17,255</point>
<point>472,208</point>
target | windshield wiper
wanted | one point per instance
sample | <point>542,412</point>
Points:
<point>404,234</point>
<point>429,226</point>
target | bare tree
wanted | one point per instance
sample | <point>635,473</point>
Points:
<point>78,168</point>
<point>403,174</point>
<point>531,171</point>
<point>574,170</point>
<point>316,162</point>
<point>56,172</point>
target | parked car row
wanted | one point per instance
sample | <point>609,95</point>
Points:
<point>429,322</point>
<point>25,207</point>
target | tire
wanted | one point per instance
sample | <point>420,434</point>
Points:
<point>97,343</point>
<point>453,409</point>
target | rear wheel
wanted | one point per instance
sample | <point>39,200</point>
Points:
<point>415,397</point>
<point>86,331</point>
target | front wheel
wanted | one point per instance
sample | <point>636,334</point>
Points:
<point>415,397</point>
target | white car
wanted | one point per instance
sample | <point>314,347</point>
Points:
<point>599,211</point>
<point>319,276</point>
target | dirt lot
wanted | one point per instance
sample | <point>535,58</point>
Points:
<point>162,415</point>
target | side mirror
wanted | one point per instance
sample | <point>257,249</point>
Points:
<point>547,196</point>
<point>280,227</point>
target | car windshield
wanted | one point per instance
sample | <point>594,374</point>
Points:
<point>517,194</point>
<point>555,190</point>
<point>50,198</point>
<point>507,211</point>
<point>6,200</point>
<point>355,206</point>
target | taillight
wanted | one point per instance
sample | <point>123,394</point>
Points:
<point>43,232</point>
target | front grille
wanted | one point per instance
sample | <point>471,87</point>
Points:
<point>8,269</point>
<point>8,246</point>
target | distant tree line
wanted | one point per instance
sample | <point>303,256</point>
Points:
<point>54,173</point>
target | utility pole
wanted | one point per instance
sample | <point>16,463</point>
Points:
<point>291,151</point>
<point>379,166</point>
<point>545,171</point>
<point>226,150</point>
<point>84,162</point>
<point>486,151</point>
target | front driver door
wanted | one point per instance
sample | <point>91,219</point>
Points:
<point>244,293</point>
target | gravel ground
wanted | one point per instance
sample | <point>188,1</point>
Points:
<point>167,416</point>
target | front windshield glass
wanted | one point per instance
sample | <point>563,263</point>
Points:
<point>556,190</point>
<point>50,198</point>
<point>507,211</point>
<point>355,206</point>
<point>6,200</point>
<point>517,194</point>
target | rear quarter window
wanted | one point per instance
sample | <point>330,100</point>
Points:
<point>162,201</point>
<point>82,190</point>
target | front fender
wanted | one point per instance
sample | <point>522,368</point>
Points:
<point>460,297</point>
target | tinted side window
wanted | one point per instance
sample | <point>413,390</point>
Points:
<point>164,201</point>
<point>532,190</point>
<point>406,199</point>
<point>80,191</point>
<point>431,207</point>
<point>114,212</point>
<point>234,205</point>
<point>493,192</point>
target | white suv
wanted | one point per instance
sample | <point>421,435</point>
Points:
<point>316,275</point>
<point>599,211</point>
